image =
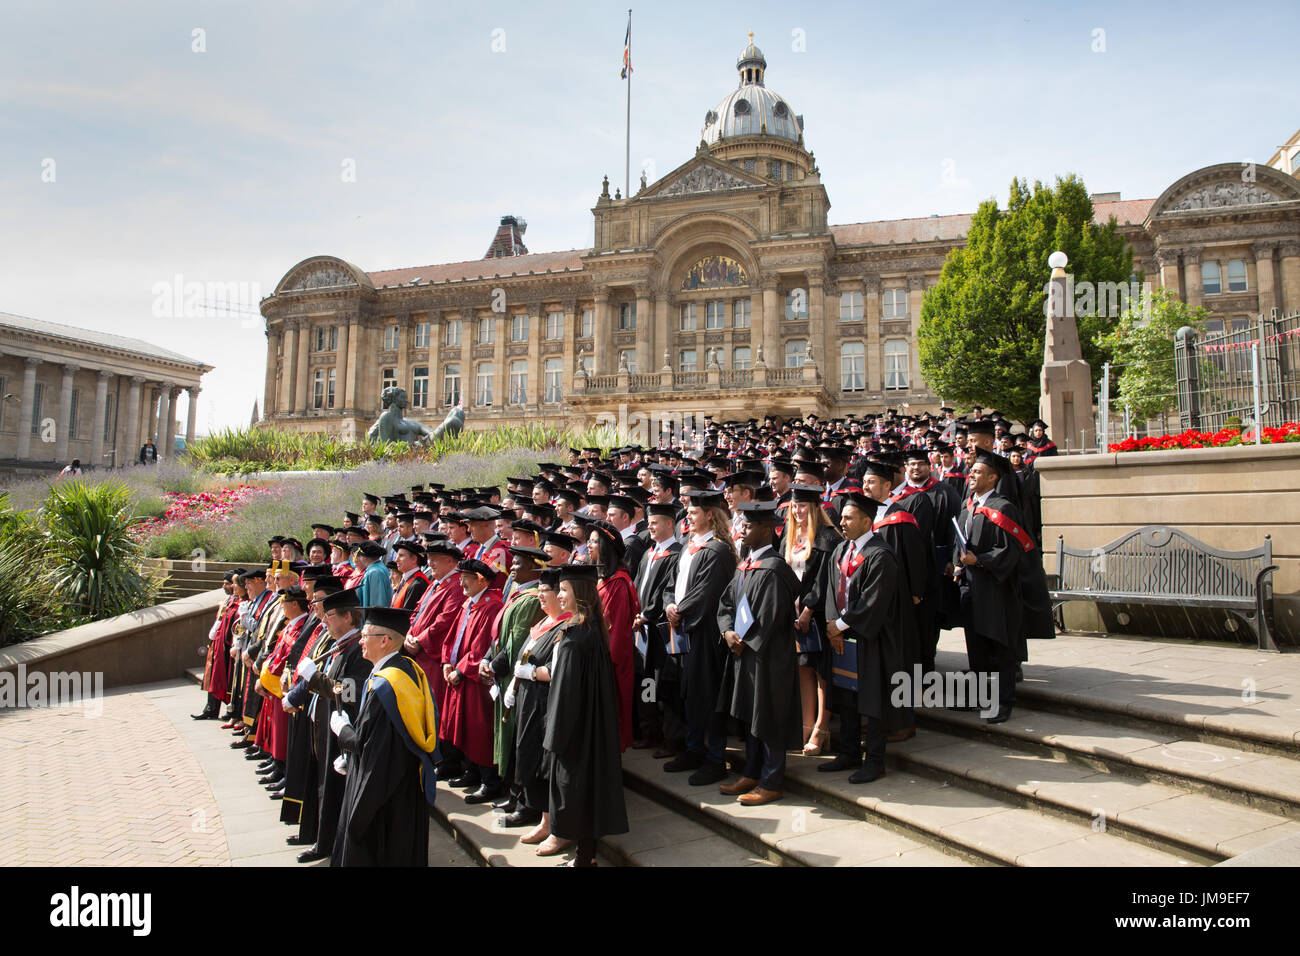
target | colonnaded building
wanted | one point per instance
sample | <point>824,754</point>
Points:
<point>721,288</point>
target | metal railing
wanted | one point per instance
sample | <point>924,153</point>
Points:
<point>1250,373</point>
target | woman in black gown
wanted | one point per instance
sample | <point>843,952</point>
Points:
<point>582,741</point>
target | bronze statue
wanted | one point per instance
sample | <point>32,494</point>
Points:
<point>391,426</point>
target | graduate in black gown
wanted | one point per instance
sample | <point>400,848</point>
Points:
<point>761,689</point>
<point>384,820</point>
<point>586,775</point>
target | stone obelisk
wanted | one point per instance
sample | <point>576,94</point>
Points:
<point>1065,401</point>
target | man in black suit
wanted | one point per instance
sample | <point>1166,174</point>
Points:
<point>661,723</point>
<point>866,603</point>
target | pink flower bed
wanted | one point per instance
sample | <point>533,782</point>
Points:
<point>1222,438</point>
<point>219,505</point>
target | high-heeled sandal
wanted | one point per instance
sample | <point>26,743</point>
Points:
<point>818,740</point>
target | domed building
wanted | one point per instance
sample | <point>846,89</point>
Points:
<point>720,289</point>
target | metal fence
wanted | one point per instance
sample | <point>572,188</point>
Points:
<point>1249,373</point>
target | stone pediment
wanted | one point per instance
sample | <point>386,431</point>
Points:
<point>1226,186</point>
<point>322,273</point>
<point>701,175</point>
<point>1218,195</point>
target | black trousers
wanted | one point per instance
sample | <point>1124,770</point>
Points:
<point>537,794</point>
<point>989,657</point>
<point>851,736</point>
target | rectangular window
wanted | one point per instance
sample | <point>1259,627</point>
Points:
<point>896,364</point>
<point>740,358</point>
<point>485,329</point>
<point>553,380</point>
<point>627,316</point>
<point>893,304</point>
<point>714,314</point>
<point>1236,275</point>
<point>108,415</point>
<point>453,333</point>
<point>740,313</point>
<point>853,367</point>
<point>850,306</point>
<point>794,352</point>
<point>628,357</point>
<point>421,335</point>
<point>686,361</point>
<point>326,338</point>
<point>317,390</point>
<point>420,386</point>
<point>588,324</point>
<point>451,385</point>
<point>38,399</point>
<point>518,382</point>
<point>519,328</point>
<point>689,316</point>
<point>390,338</point>
<point>554,326</point>
<point>1210,284</point>
<point>483,384</point>
<point>390,378</point>
<point>796,304</point>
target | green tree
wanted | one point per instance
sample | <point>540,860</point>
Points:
<point>982,323</point>
<point>1142,346</point>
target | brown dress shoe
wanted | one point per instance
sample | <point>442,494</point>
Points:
<point>743,785</point>
<point>900,735</point>
<point>758,796</point>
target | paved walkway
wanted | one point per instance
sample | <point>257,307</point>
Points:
<point>142,784</point>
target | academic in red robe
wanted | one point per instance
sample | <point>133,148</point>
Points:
<point>437,618</point>
<point>272,722</point>
<point>466,720</point>
<point>216,669</point>
<point>619,602</point>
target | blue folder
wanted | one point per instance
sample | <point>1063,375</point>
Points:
<point>809,642</point>
<point>676,642</point>
<point>844,667</point>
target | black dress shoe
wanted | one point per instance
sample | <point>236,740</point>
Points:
<point>467,781</point>
<point>842,762</point>
<point>265,765</point>
<point>271,783</point>
<point>296,840</point>
<point>255,754</point>
<point>277,787</point>
<point>271,777</point>
<point>684,761</point>
<point>484,794</point>
<point>203,716</point>
<point>277,794</point>
<point>507,805</point>
<point>709,773</point>
<point>241,744</point>
<point>447,771</point>
<point>311,855</point>
<point>1001,717</point>
<point>522,817</point>
<point>868,773</point>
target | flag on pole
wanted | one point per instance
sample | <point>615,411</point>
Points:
<point>627,50</point>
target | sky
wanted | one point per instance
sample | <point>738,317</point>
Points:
<point>144,143</point>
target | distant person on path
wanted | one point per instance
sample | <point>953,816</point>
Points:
<point>148,454</point>
<point>72,469</point>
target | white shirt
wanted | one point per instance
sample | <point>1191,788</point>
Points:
<point>758,555</point>
<point>858,545</point>
<point>684,566</point>
<point>659,548</point>
<point>979,502</point>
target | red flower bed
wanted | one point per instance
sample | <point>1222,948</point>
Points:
<point>1222,438</point>
<point>217,505</point>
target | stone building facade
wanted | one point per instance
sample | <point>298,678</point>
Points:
<point>722,288</point>
<point>70,393</point>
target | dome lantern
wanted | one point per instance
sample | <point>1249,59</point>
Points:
<point>751,64</point>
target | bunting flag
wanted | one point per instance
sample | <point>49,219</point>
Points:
<point>627,50</point>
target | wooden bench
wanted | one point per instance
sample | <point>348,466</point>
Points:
<point>1161,565</point>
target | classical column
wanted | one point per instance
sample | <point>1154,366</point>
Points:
<point>1167,259</point>
<point>360,394</point>
<point>273,340</point>
<point>132,416</point>
<point>915,292</point>
<point>289,373</point>
<point>404,351</point>
<point>341,394</point>
<point>536,332</point>
<point>1192,274</point>
<point>300,378</point>
<point>165,416</point>
<point>1265,281</point>
<point>644,328</point>
<point>468,383</point>
<point>435,358</point>
<point>871,315</point>
<point>27,411</point>
<point>600,360</point>
<point>97,435</point>
<point>661,334</point>
<point>65,414</point>
<point>191,414</point>
<point>500,375</point>
<point>1289,251</point>
<point>151,415</point>
<point>771,319</point>
<point>817,334</point>
<point>569,364</point>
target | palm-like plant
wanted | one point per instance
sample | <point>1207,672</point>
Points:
<point>93,562</point>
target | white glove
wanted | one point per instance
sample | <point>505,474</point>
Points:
<point>339,721</point>
<point>510,700</point>
<point>526,671</point>
<point>341,764</point>
<point>306,668</point>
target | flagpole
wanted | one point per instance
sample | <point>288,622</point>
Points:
<point>627,145</point>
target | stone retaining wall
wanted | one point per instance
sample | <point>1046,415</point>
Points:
<point>1230,498</point>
